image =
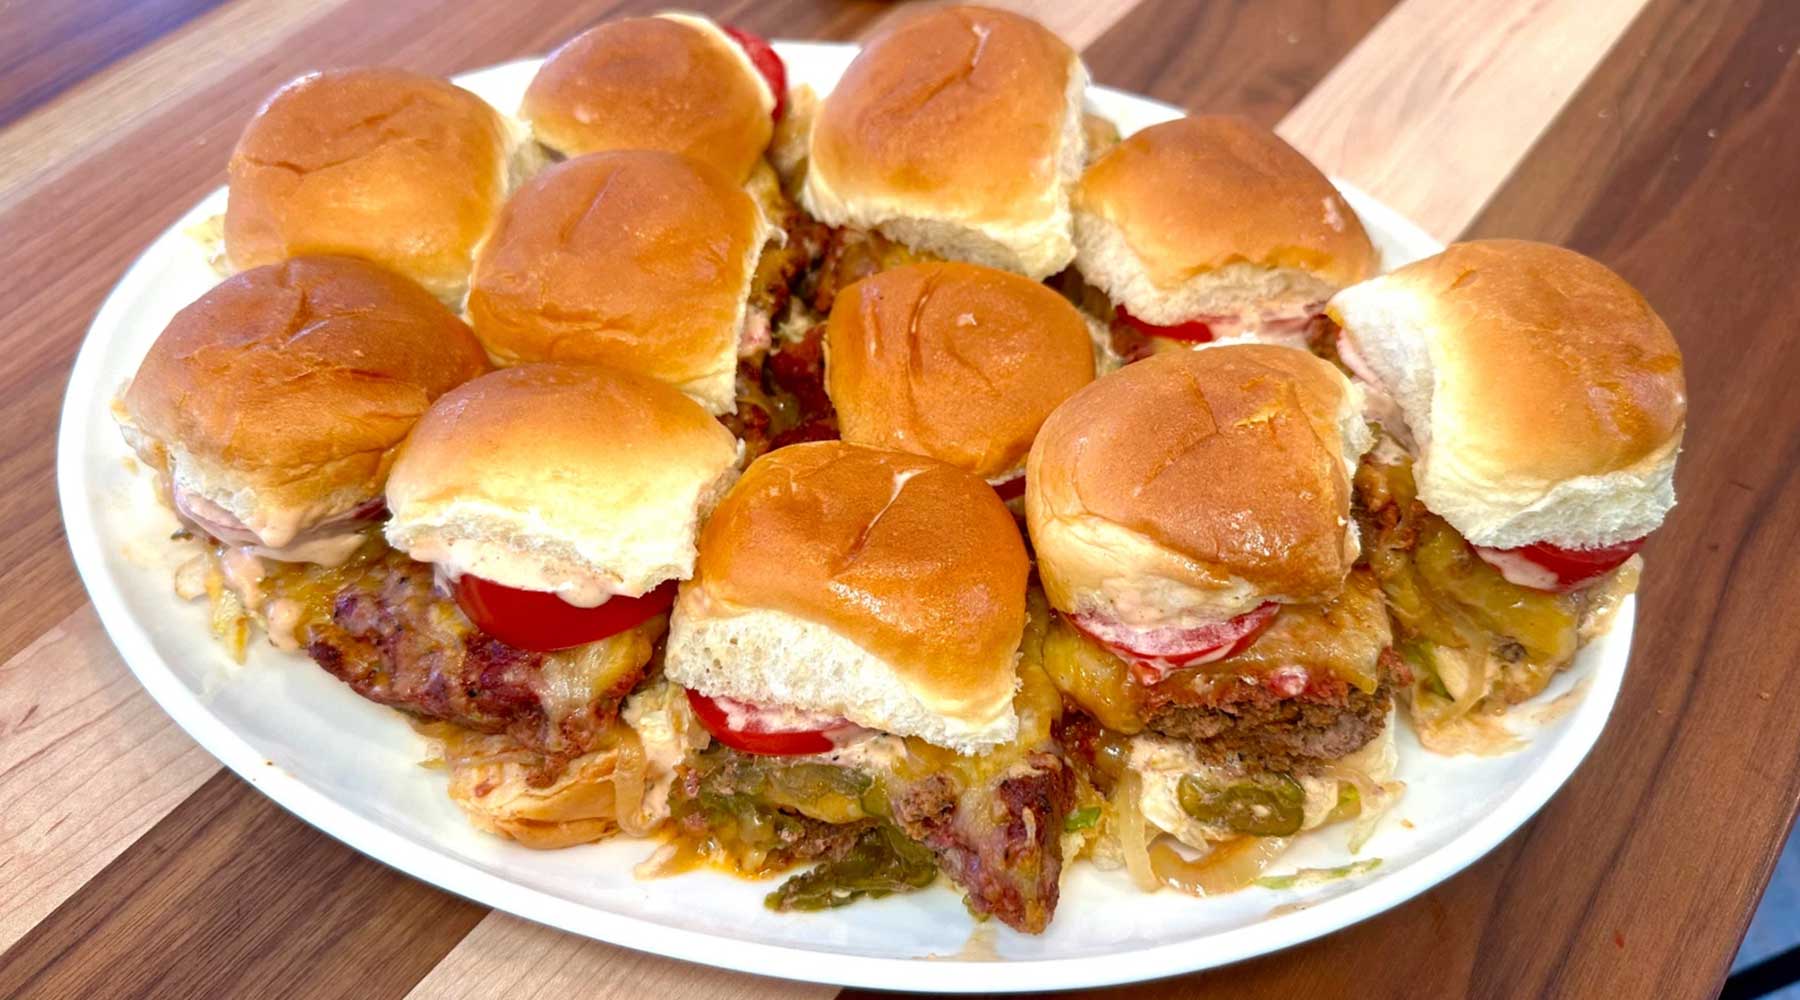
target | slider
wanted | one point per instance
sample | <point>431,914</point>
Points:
<point>1211,228</point>
<point>852,639</point>
<point>1532,405</point>
<point>955,134</point>
<point>398,168</point>
<point>679,83</point>
<point>271,410</point>
<point>1191,517</point>
<point>957,362</point>
<point>637,259</point>
<point>541,516</point>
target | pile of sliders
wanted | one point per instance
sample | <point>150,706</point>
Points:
<point>793,481</point>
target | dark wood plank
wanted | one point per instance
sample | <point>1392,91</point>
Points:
<point>1250,57</point>
<point>79,231</point>
<point>231,896</point>
<point>51,45</point>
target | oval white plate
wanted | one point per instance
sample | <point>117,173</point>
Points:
<point>350,768</point>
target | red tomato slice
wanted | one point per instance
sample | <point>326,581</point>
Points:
<point>1194,331</point>
<point>1011,489</point>
<point>1554,568</point>
<point>755,735</point>
<point>763,57</point>
<point>543,622</point>
<point>1156,653</point>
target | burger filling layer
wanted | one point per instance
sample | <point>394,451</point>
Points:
<point>879,813</point>
<point>1478,636</point>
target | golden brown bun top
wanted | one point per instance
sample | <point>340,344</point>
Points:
<point>1196,194</point>
<point>550,477</point>
<point>1548,365</point>
<point>636,259</point>
<point>400,168</point>
<point>955,361</point>
<point>913,560</point>
<point>652,83</point>
<point>960,107</point>
<point>1232,457</point>
<point>299,379</point>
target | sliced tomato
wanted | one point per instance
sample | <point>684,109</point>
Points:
<point>1554,568</point>
<point>1193,331</point>
<point>1155,653</point>
<point>1012,489</point>
<point>757,732</point>
<point>543,622</point>
<point>763,57</point>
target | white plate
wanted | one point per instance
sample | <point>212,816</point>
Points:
<point>350,768</point>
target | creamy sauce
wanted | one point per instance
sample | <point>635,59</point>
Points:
<point>1517,569</point>
<point>1379,405</point>
<point>328,543</point>
<point>1162,762</point>
<point>512,569</point>
<point>668,730</point>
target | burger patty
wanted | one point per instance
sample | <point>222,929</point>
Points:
<point>1254,725</point>
<point>1002,843</point>
<point>396,641</point>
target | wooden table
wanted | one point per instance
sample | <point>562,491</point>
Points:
<point>1661,136</point>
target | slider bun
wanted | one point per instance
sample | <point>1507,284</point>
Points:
<point>882,587</point>
<point>542,477</point>
<point>636,259</point>
<point>282,394</point>
<point>1193,486</point>
<point>672,82</point>
<point>400,168</point>
<point>1214,216</point>
<point>955,361</point>
<point>958,133</point>
<point>1546,396</point>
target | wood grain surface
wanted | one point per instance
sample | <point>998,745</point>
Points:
<point>1654,135</point>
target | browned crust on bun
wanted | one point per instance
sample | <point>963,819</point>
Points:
<point>1195,194</point>
<point>652,83</point>
<point>636,259</point>
<point>300,379</point>
<point>1549,366</point>
<point>915,561</point>
<point>400,168</point>
<point>1231,460</point>
<point>955,361</point>
<point>958,111</point>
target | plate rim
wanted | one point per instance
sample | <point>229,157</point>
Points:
<point>946,975</point>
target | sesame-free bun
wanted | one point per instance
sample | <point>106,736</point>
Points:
<point>957,132</point>
<point>578,480</point>
<point>400,168</point>
<point>955,361</point>
<point>1214,216</point>
<point>637,259</point>
<point>673,82</point>
<point>281,395</point>
<point>1544,395</point>
<point>1192,486</point>
<point>882,587</point>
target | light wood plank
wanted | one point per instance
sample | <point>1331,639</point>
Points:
<point>1078,22</point>
<point>1444,98</point>
<point>87,764</point>
<point>510,957</point>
